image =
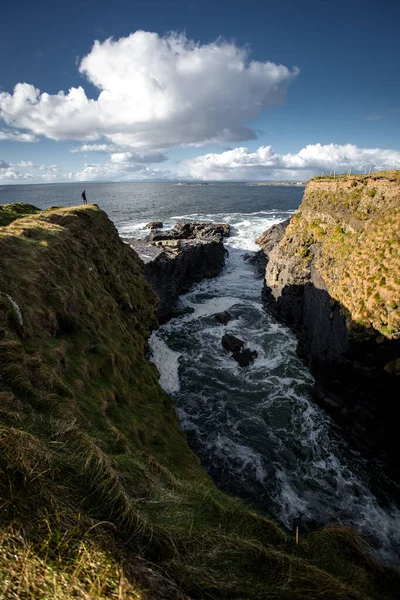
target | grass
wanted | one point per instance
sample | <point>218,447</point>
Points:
<point>389,175</point>
<point>100,496</point>
<point>10,212</point>
<point>352,233</point>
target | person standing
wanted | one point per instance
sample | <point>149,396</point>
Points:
<point>84,200</point>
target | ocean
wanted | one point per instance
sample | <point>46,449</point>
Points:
<point>256,430</point>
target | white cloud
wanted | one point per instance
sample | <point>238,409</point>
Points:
<point>16,136</point>
<point>25,164</point>
<point>154,93</point>
<point>265,163</point>
<point>94,148</point>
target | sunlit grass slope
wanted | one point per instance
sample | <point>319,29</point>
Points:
<point>100,496</point>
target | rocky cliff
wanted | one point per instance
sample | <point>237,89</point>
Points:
<point>100,496</point>
<point>334,278</point>
<point>174,260</point>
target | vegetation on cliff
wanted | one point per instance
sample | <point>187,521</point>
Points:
<point>100,496</point>
<point>349,227</point>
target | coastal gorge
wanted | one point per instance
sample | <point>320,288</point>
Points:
<point>332,275</point>
<point>101,495</point>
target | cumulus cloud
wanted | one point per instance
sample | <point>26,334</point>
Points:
<point>265,163</point>
<point>154,93</point>
<point>16,136</point>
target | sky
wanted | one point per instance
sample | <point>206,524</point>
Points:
<point>185,90</point>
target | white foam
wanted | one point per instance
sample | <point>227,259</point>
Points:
<point>243,456</point>
<point>167,363</point>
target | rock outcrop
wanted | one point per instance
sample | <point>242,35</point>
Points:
<point>334,278</point>
<point>155,225</point>
<point>174,260</point>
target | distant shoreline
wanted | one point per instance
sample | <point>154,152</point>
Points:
<point>288,183</point>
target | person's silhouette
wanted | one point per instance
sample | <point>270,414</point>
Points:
<point>84,197</point>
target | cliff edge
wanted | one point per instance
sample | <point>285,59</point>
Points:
<point>100,496</point>
<point>334,278</point>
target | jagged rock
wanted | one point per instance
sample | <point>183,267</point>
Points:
<point>272,236</point>
<point>223,317</point>
<point>231,343</point>
<point>244,357</point>
<point>154,225</point>
<point>258,259</point>
<point>173,264</point>
<point>190,230</point>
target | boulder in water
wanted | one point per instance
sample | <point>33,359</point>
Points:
<point>232,343</point>
<point>223,317</point>
<point>244,357</point>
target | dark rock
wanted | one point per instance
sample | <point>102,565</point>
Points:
<point>173,265</point>
<point>191,230</point>
<point>154,225</point>
<point>244,357</point>
<point>258,259</point>
<point>231,343</point>
<point>223,317</point>
<point>272,236</point>
<point>176,259</point>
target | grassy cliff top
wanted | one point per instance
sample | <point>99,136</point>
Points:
<point>100,496</point>
<point>389,175</point>
<point>350,229</point>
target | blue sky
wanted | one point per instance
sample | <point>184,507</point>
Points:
<point>190,104</point>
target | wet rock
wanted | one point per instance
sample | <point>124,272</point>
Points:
<point>172,265</point>
<point>154,225</point>
<point>244,357</point>
<point>191,230</point>
<point>223,317</point>
<point>231,343</point>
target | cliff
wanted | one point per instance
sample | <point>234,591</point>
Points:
<point>174,260</point>
<point>334,278</point>
<point>100,496</point>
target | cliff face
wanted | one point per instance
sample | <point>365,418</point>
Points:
<point>334,277</point>
<point>174,260</point>
<point>100,496</point>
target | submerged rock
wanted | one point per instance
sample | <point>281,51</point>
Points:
<point>223,317</point>
<point>231,343</point>
<point>244,357</point>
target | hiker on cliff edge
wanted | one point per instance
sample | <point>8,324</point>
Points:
<point>84,197</point>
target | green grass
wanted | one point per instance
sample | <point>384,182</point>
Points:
<point>100,496</point>
<point>390,175</point>
<point>10,212</point>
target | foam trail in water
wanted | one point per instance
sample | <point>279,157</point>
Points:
<point>167,363</point>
